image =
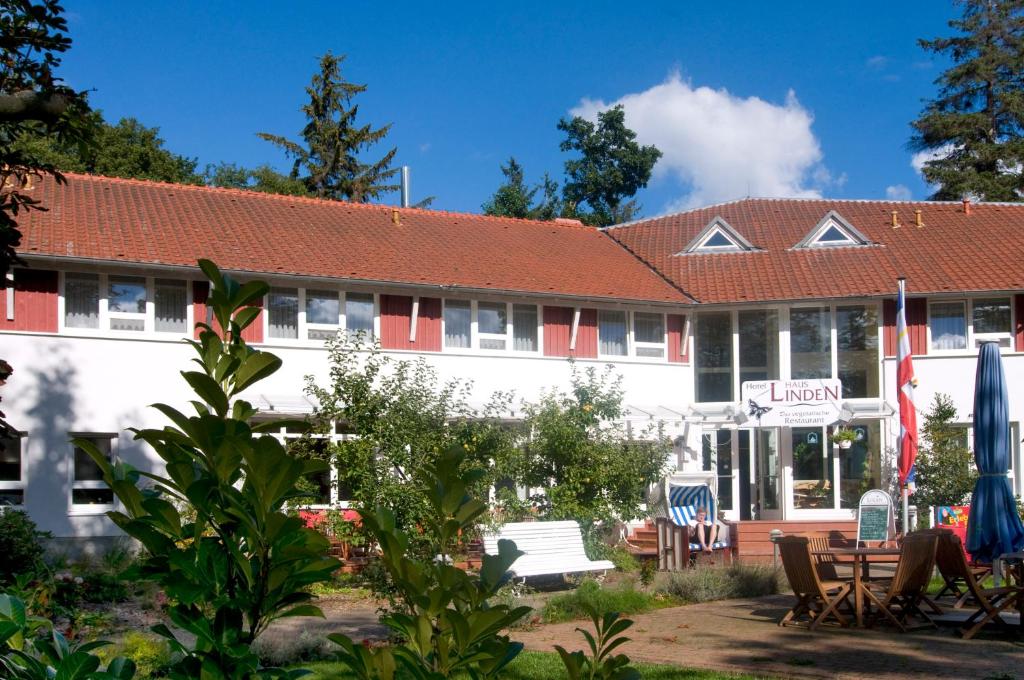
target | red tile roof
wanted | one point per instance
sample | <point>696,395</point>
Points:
<point>137,221</point>
<point>952,252</point>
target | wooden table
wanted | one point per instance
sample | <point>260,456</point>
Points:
<point>860,565</point>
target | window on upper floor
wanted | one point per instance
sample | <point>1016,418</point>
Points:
<point>88,490</point>
<point>283,313</point>
<point>833,230</point>
<point>857,350</point>
<point>170,302</point>
<point>126,303</point>
<point>458,316</point>
<point>713,360</point>
<point>947,323</point>
<point>524,328</point>
<point>611,333</point>
<point>992,320</point>
<point>81,300</point>
<point>718,236</point>
<point>359,313</point>
<point>12,471</point>
<point>810,342</point>
<point>759,344</point>
<point>492,325</point>
<point>649,335</point>
<point>323,314</point>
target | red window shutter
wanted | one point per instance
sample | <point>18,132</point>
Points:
<point>396,316</point>
<point>1018,310</point>
<point>200,291</point>
<point>586,335</point>
<point>917,325</point>
<point>677,352</point>
<point>35,302</point>
<point>254,333</point>
<point>557,330</point>
<point>889,327</point>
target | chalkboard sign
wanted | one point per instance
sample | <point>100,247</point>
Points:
<point>875,521</point>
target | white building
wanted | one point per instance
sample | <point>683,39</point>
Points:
<point>688,307</point>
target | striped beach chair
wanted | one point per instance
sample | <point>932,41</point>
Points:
<point>683,502</point>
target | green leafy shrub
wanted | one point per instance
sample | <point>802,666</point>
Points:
<point>30,649</point>
<point>237,561</point>
<point>622,559</point>
<point>592,596</point>
<point>150,654</point>
<point>291,650</point>
<point>601,664</point>
<point>706,584</point>
<point>21,545</point>
<point>450,623</point>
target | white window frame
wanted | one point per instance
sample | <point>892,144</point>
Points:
<point>105,315</point>
<point>968,324</point>
<point>628,322</point>
<point>22,483</point>
<point>974,338</point>
<point>305,326</point>
<point>375,297</point>
<point>444,328</point>
<point>73,484</point>
<point>510,315</point>
<point>285,437</point>
<point>480,336</point>
<point>636,345</point>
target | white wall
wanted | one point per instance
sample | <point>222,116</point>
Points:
<point>65,384</point>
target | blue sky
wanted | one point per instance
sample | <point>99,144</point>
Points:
<point>765,98</point>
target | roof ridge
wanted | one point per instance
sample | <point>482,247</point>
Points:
<point>802,199</point>
<point>247,193</point>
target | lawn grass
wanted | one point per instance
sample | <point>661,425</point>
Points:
<point>543,666</point>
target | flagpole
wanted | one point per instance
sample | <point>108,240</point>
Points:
<point>906,510</point>
<point>904,492</point>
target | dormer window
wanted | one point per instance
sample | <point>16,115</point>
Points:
<point>717,237</point>
<point>833,231</point>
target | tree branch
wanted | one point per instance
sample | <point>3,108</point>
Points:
<point>29,105</point>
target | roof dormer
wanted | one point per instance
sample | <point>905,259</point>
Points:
<point>831,232</point>
<point>717,237</point>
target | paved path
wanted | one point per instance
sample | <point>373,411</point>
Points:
<point>742,636</point>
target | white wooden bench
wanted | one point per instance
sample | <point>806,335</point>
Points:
<point>550,547</point>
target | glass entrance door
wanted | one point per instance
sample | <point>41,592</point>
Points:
<point>768,473</point>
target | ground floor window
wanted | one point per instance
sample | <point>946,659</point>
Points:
<point>716,456</point>
<point>324,488</point>
<point>12,481</point>
<point>88,490</point>
<point>813,483</point>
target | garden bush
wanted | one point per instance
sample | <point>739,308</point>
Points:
<point>290,650</point>
<point>705,584</point>
<point>592,596</point>
<point>21,544</point>
<point>150,654</point>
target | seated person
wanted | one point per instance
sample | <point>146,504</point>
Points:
<point>703,531</point>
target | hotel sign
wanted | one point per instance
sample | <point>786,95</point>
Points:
<point>791,403</point>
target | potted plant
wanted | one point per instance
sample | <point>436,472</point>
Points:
<point>843,437</point>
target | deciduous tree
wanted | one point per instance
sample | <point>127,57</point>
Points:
<point>610,169</point>
<point>329,160</point>
<point>974,125</point>
<point>945,475</point>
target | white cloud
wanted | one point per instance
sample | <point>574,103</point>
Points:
<point>898,192</point>
<point>719,147</point>
<point>918,160</point>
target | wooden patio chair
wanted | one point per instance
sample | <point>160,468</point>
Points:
<point>816,599</point>
<point>901,597</point>
<point>961,579</point>
<point>819,541</point>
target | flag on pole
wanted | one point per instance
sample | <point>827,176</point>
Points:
<point>905,382</point>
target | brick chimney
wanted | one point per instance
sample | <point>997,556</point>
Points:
<point>967,205</point>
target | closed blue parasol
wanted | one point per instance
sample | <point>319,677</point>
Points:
<point>993,527</point>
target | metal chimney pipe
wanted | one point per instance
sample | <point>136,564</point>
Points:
<point>405,186</point>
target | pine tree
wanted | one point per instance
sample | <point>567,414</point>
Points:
<point>328,161</point>
<point>612,167</point>
<point>945,475</point>
<point>515,199</point>
<point>975,124</point>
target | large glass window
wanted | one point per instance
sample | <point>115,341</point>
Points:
<point>87,485</point>
<point>283,307</point>
<point>860,466</point>
<point>857,344</point>
<point>810,338</point>
<point>323,314</point>
<point>948,325</point>
<point>649,334</point>
<point>492,324</point>
<point>611,333</point>
<point>992,320</point>
<point>170,302</point>
<point>524,328</point>
<point>82,300</point>
<point>359,313</point>
<point>12,485</point>
<point>716,455</point>
<point>812,469</point>
<point>126,303</point>
<point>456,323</point>
<point>759,345</point>
<point>713,340</point>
